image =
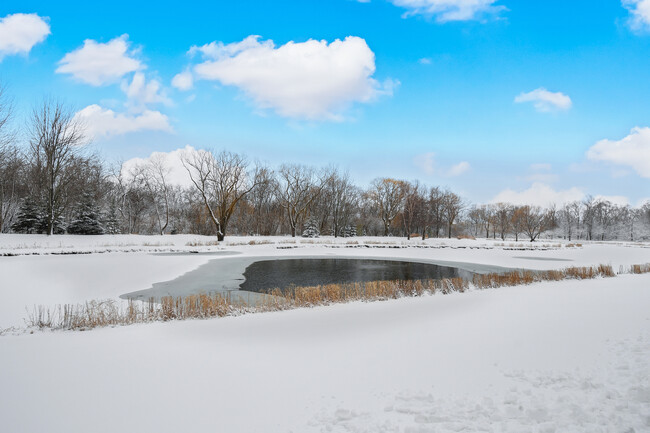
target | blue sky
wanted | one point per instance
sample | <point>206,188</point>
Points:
<point>423,89</point>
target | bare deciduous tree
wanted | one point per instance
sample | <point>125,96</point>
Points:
<point>453,206</point>
<point>154,176</point>
<point>56,138</point>
<point>413,206</point>
<point>11,166</point>
<point>342,200</point>
<point>435,210</point>
<point>298,187</point>
<point>222,180</point>
<point>534,221</point>
<point>503,213</point>
<point>388,196</point>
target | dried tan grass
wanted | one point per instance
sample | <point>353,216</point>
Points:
<point>516,278</point>
<point>640,269</point>
<point>202,243</point>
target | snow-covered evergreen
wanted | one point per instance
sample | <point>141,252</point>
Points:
<point>311,229</point>
<point>110,222</point>
<point>87,220</point>
<point>349,231</point>
<point>32,219</point>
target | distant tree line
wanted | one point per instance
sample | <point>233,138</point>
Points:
<point>50,184</point>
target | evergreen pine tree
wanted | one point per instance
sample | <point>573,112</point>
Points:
<point>111,225</point>
<point>30,218</point>
<point>349,231</point>
<point>87,219</point>
<point>311,229</point>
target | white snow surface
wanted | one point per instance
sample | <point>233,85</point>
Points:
<point>570,356</point>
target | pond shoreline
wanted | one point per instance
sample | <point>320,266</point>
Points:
<point>231,272</point>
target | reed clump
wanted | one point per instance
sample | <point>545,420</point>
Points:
<point>95,314</point>
<point>640,269</point>
<point>518,278</point>
<point>202,243</point>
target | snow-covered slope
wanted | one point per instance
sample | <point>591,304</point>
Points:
<point>549,357</point>
<point>568,356</point>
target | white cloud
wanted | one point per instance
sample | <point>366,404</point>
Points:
<point>99,63</point>
<point>309,80</point>
<point>541,166</point>
<point>545,101</point>
<point>631,151</point>
<point>539,194</point>
<point>541,172</point>
<point>140,92</point>
<point>183,81</point>
<point>458,169</point>
<point>424,61</point>
<point>619,200</point>
<point>172,160</point>
<point>450,10</point>
<point>20,32</point>
<point>101,121</point>
<point>640,13</point>
<point>427,163</point>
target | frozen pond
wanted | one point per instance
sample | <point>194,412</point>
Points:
<point>245,277</point>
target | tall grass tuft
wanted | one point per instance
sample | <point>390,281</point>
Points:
<point>640,269</point>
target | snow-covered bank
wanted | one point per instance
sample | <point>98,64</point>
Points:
<point>565,356</point>
<point>47,279</point>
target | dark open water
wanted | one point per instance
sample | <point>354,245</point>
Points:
<point>270,274</point>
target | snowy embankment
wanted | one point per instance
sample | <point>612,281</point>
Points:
<point>561,356</point>
<point>566,356</point>
<point>53,270</point>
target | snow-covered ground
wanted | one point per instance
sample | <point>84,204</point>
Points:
<point>566,356</point>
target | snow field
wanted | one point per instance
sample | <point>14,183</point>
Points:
<point>549,357</point>
<point>565,356</point>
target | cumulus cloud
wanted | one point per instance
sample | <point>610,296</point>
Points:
<point>20,32</point>
<point>140,92</point>
<point>458,169</point>
<point>541,166</point>
<point>541,172</point>
<point>632,151</point>
<point>183,81</point>
<point>538,194</point>
<point>639,13</point>
<point>177,174</point>
<point>313,80</point>
<point>618,200</point>
<point>545,101</point>
<point>97,63</point>
<point>427,163</point>
<point>450,10</point>
<point>103,122</point>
